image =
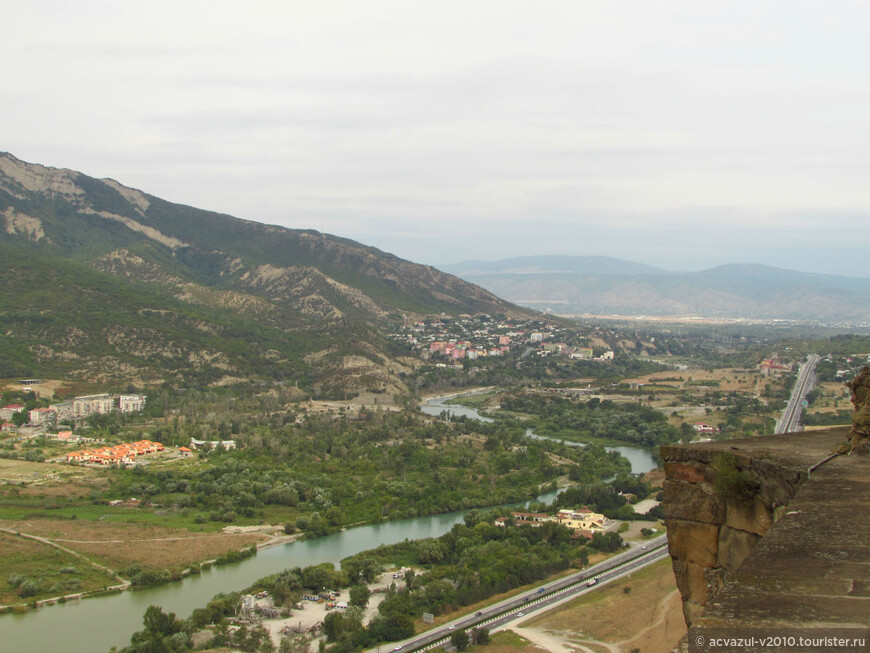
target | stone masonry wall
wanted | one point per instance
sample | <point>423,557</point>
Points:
<point>721,498</point>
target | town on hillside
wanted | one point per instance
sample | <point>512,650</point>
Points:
<point>442,340</point>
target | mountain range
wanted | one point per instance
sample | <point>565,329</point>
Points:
<point>109,284</point>
<point>609,286</point>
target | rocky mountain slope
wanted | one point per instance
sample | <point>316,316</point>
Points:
<point>600,285</point>
<point>108,283</point>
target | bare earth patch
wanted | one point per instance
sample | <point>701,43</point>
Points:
<point>17,472</point>
<point>508,641</point>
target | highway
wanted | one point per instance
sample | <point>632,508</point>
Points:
<point>791,416</point>
<point>546,596</point>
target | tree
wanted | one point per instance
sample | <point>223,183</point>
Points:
<point>430,552</point>
<point>480,636</point>
<point>392,628</point>
<point>460,640</point>
<point>359,595</point>
<point>159,623</point>
<point>607,543</point>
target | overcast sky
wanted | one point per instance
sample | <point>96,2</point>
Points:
<point>679,134</point>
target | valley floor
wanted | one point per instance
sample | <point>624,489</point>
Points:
<point>648,617</point>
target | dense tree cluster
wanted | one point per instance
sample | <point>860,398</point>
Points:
<point>568,419</point>
<point>325,473</point>
<point>473,561</point>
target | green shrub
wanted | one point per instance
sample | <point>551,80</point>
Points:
<point>731,483</point>
<point>28,588</point>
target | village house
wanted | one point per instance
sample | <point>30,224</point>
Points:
<point>213,444</point>
<point>581,519</point>
<point>119,455</point>
<point>772,366</point>
<point>581,353</point>
<point>39,416</point>
<point>7,412</point>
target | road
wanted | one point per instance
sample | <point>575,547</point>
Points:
<point>791,416</point>
<point>546,596</point>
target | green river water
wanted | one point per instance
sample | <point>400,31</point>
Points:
<point>97,624</point>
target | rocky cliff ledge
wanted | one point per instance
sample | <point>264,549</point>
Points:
<point>770,531</point>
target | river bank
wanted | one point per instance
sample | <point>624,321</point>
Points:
<point>64,626</point>
<point>642,459</point>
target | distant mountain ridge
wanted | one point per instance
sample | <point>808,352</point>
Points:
<point>602,285</point>
<point>556,264</point>
<point>106,282</point>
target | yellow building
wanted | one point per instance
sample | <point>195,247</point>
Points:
<point>581,519</point>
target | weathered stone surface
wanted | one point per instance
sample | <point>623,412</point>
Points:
<point>734,546</point>
<point>860,588</point>
<point>691,473</point>
<point>797,553</point>
<point>778,484</point>
<point>693,542</point>
<point>715,578</point>
<point>860,387</point>
<point>782,609</point>
<point>692,501</point>
<point>812,566</point>
<point>691,581</point>
<point>692,611</point>
<point>752,517</point>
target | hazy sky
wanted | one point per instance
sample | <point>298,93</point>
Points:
<point>680,134</point>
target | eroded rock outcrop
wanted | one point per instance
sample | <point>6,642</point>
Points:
<point>721,498</point>
<point>859,436</point>
<point>770,532</point>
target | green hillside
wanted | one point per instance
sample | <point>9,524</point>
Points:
<point>108,284</point>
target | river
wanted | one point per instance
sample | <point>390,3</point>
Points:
<point>99,623</point>
<point>642,459</point>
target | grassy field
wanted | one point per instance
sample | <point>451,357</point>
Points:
<point>476,400</point>
<point>22,472</point>
<point>724,379</point>
<point>31,490</point>
<point>61,509</point>
<point>52,572</point>
<point>51,501</point>
<point>507,642</point>
<point>120,545</point>
<point>833,396</point>
<point>642,611</point>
